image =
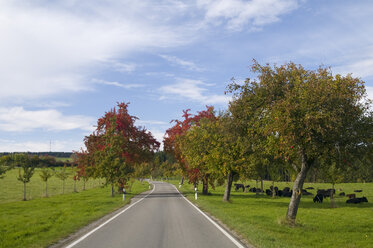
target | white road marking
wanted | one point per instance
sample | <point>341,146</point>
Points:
<point>103,224</point>
<point>238,244</point>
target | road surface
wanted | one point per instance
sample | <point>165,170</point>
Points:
<point>162,218</point>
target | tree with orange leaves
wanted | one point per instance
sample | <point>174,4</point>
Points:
<point>116,147</point>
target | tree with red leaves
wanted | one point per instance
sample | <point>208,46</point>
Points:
<point>116,147</point>
<point>172,144</point>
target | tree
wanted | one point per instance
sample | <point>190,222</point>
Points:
<point>5,165</point>
<point>63,174</point>
<point>311,114</point>
<point>172,144</point>
<point>45,174</point>
<point>117,146</point>
<point>26,165</point>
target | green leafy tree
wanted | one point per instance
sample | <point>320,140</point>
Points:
<point>5,165</point>
<point>63,174</point>
<point>45,174</point>
<point>26,165</point>
<point>312,114</point>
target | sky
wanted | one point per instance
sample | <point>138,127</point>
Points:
<point>63,64</point>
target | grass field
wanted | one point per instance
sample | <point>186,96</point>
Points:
<point>12,190</point>
<point>42,221</point>
<point>58,159</point>
<point>259,218</point>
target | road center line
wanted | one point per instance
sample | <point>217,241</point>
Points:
<point>103,224</point>
<point>238,244</point>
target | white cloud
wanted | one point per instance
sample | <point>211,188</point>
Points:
<point>150,122</point>
<point>52,48</point>
<point>358,68</point>
<point>236,14</point>
<point>17,119</point>
<point>183,63</point>
<point>369,90</point>
<point>192,90</point>
<point>37,146</point>
<point>125,86</point>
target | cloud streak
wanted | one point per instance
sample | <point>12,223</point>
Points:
<point>183,63</point>
<point>236,14</point>
<point>17,119</point>
<point>116,84</point>
<point>192,90</point>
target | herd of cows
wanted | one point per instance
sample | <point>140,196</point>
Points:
<point>286,192</point>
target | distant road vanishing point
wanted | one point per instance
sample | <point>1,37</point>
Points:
<point>161,218</point>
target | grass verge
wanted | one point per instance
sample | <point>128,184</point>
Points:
<point>260,219</point>
<point>43,221</point>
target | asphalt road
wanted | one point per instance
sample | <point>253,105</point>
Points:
<point>162,218</point>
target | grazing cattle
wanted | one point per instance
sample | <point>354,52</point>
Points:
<point>279,193</point>
<point>342,194</point>
<point>310,188</point>
<point>286,189</point>
<point>357,200</point>
<point>252,190</point>
<point>238,186</point>
<point>358,190</point>
<point>276,191</point>
<point>268,192</point>
<point>318,198</point>
<point>305,192</point>
<point>351,196</point>
<point>326,193</point>
<point>287,193</point>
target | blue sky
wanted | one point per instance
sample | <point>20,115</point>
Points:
<point>64,63</point>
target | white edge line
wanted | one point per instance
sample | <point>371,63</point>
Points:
<point>103,224</point>
<point>213,222</point>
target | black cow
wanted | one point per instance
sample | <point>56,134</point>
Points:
<point>286,189</point>
<point>342,194</point>
<point>358,190</point>
<point>357,200</point>
<point>318,198</point>
<point>351,196</point>
<point>287,193</point>
<point>326,193</point>
<point>305,192</point>
<point>239,186</point>
<point>310,188</point>
<point>252,189</point>
<point>268,192</point>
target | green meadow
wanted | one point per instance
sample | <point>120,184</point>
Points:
<point>259,219</point>
<point>12,189</point>
<point>42,221</point>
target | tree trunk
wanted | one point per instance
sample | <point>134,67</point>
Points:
<point>75,186</point>
<point>332,202</point>
<point>227,192</point>
<point>256,191</point>
<point>83,184</point>
<point>297,191</point>
<point>182,180</point>
<point>112,190</point>
<point>24,191</point>
<point>273,189</point>
<point>261,185</point>
<point>205,186</point>
<point>63,187</point>
<point>46,189</point>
